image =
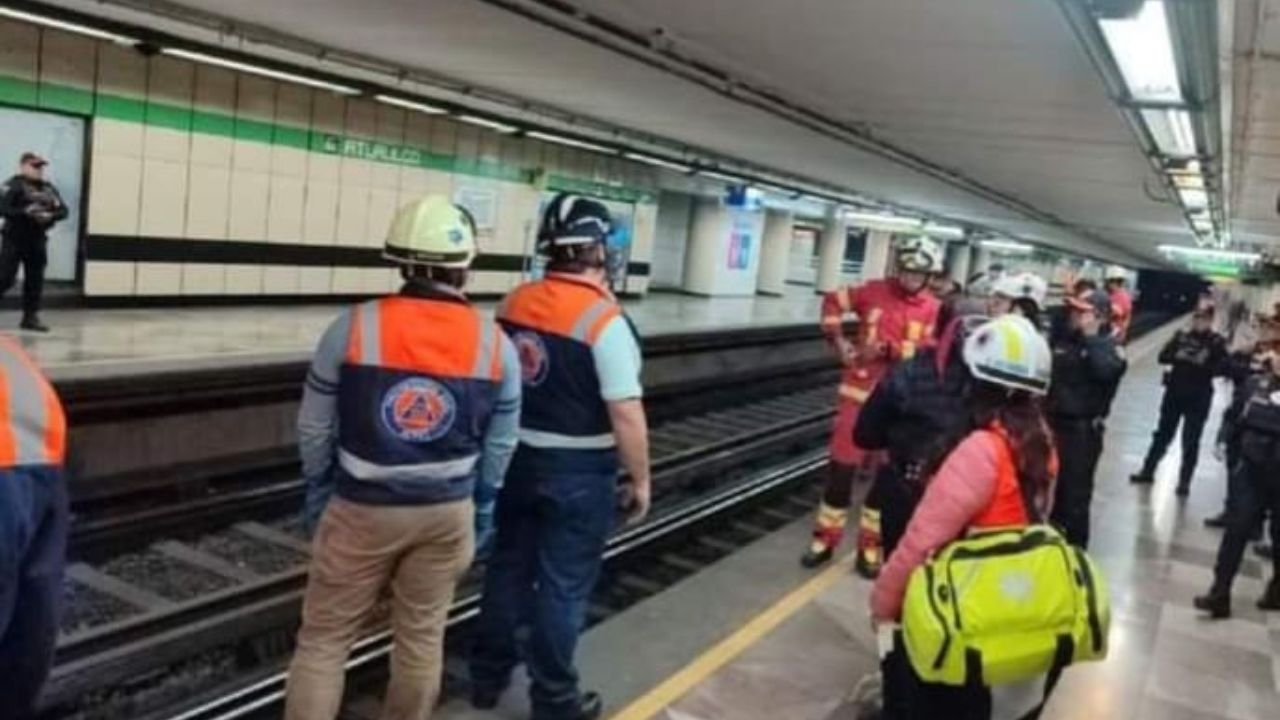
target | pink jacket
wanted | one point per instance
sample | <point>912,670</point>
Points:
<point>960,491</point>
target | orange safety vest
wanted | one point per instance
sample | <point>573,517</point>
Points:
<point>1007,507</point>
<point>415,393</point>
<point>33,427</point>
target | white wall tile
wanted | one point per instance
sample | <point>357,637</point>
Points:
<point>244,279</point>
<point>116,137</point>
<point>490,282</point>
<point>164,200</point>
<point>203,279</point>
<point>103,278</point>
<point>382,209</point>
<point>315,280</point>
<point>208,202</point>
<point>326,168</point>
<point>115,188</point>
<point>213,150</point>
<point>320,214</point>
<point>374,280</point>
<point>160,143</point>
<point>394,280</point>
<point>252,156</point>
<point>517,210</point>
<point>284,216</point>
<point>281,279</point>
<point>348,281</point>
<point>353,216</point>
<point>357,173</point>
<point>288,161</point>
<point>250,194</point>
<point>385,176</point>
<point>159,278</point>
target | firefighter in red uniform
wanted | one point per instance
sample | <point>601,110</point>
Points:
<point>895,317</point>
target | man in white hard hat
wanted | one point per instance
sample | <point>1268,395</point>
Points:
<point>409,420</point>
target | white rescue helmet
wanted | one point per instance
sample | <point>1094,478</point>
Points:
<point>919,254</point>
<point>1022,286</point>
<point>1115,272</point>
<point>431,231</point>
<point>1008,351</point>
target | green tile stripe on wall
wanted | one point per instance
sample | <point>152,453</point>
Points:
<point>21,93</point>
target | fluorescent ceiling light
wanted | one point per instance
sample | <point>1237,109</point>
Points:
<point>571,142</point>
<point>946,232</point>
<point>1143,49</point>
<point>1185,181</point>
<point>1194,199</point>
<point>882,220</point>
<point>68,26</point>
<point>1171,129</point>
<point>410,104</point>
<point>1211,252</point>
<point>259,70</point>
<point>1006,246</point>
<point>723,176</point>
<point>658,162</point>
<point>486,123</point>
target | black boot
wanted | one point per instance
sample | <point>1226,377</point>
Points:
<point>1217,604</point>
<point>1143,477</point>
<point>590,707</point>
<point>1264,550</point>
<point>1270,599</point>
<point>1184,488</point>
<point>1217,521</point>
<point>32,323</point>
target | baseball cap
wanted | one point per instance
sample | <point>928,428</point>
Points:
<point>30,158</point>
<point>1095,301</point>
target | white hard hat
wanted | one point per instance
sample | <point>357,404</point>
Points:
<point>919,254</point>
<point>1116,272</point>
<point>431,231</point>
<point>1025,285</point>
<point>1009,351</point>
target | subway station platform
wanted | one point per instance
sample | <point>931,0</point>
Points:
<point>755,637</point>
<point>91,344</point>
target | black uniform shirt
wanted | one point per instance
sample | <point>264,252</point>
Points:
<point>1194,359</point>
<point>1086,374</point>
<point>21,198</point>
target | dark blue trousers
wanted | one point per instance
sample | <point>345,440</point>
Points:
<point>33,545</point>
<point>554,516</point>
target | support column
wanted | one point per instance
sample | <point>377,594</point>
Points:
<point>723,254</point>
<point>959,256</point>
<point>876,262</point>
<point>831,251</point>
<point>981,261</point>
<point>775,252</point>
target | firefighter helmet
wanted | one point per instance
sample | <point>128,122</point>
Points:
<point>1022,286</point>
<point>1009,351</point>
<point>919,254</point>
<point>432,231</point>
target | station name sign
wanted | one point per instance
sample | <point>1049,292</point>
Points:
<point>371,150</point>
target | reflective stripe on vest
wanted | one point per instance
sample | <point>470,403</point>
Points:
<point>1007,508</point>
<point>416,390</point>
<point>554,323</point>
<point>33,428</point>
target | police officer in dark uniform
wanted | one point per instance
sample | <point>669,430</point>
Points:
<point>1194,357</point>
<point>30,205</point>
<point>1253,423</point>
<point>1087,367</point>
<point>1238,368</point>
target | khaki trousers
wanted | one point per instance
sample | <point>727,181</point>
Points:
<point>421,552</point>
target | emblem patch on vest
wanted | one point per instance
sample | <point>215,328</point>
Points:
<point>534,361</point>
<point>419,410</point>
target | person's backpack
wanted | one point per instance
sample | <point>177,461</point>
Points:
<point>1002,606</point>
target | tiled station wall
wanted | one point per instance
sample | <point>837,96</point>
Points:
<point>203,181</point>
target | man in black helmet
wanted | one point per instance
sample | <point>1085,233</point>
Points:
<point>582,417</point>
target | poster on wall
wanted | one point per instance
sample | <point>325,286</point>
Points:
<point>481,200</point>
<point>742,240</point>
<point>619,253</point>
<point>60,140</point>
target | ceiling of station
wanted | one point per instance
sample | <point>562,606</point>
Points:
<point>996,90</point>
<point>1255,136</point>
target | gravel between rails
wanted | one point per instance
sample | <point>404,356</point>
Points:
<point>263,558</point>
<point>84,608</point>
<point>164,576</point>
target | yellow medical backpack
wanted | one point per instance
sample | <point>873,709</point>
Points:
<point>1001,606</point>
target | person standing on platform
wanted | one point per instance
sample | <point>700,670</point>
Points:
<point>1023,294</point>
<point>1239,366</point>
<point>34,521</point>
<point>1253,424</point>
<point>1087,367</point>
<point>1195,357</point>
<point>583,413</point>
<point>29,206</point>
<point>408,418</point>
<point>1121,303</point>
<point>896,316</point>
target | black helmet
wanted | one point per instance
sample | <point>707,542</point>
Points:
<point>572,220</point>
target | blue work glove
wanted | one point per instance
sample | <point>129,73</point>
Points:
<point>319,490</point>
<point>485,531</point>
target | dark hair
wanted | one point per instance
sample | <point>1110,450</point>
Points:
<point>1030,441</point>
<point>1084,284</point>
<point>572,258</point>
<point>457,277</point>
<point>1029,310</point>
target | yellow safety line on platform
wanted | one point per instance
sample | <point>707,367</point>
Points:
<point>691,675</point>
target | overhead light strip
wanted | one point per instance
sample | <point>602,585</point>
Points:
<point>723,176</point>
<point>658,162</point>
<point>1007,245</point>
<point>1142,46</point>
<point>259,70</point>
<point>494,125</point>
<point>876,220</point>
<point>571,142</point>
<point>71,27</point>
<point>410,104</point>
<point>1210,252</point>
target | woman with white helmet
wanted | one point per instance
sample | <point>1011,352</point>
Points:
<point>1022,293</point>
<point>1000,475</point>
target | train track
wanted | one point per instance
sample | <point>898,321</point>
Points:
<point>209,598</point>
